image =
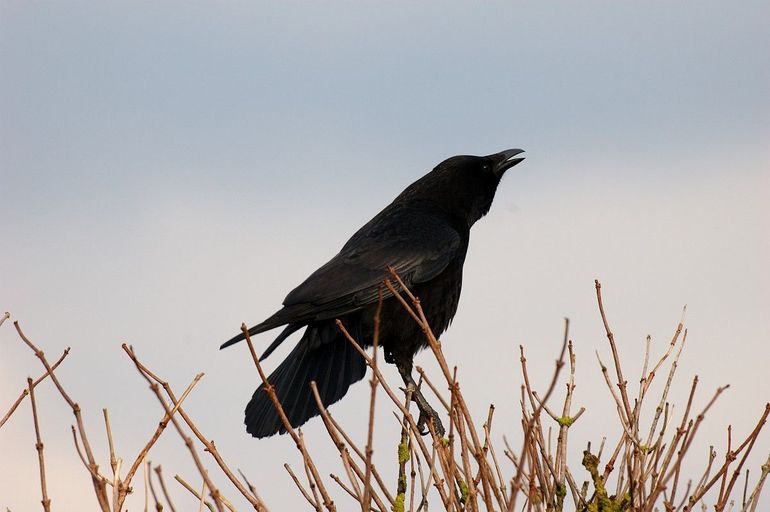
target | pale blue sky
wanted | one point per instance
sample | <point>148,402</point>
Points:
<point>169,171</point>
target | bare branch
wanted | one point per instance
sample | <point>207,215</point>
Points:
<point>98,483</point>
<point>46,501</point>
<point>37,381</point>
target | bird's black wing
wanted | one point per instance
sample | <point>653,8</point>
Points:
<point>417,245</point>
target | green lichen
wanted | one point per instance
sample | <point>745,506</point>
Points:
<point>561,492</point>
<point>566,421</point>
<point>602,502</point>
<point>403,451</point>
<point>398,504</point>
<point>464,492</point>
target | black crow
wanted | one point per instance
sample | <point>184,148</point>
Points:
<point>423,234</point>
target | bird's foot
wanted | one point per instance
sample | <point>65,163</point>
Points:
<point>428,416</point>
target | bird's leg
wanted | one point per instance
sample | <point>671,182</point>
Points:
<point>427,413</point>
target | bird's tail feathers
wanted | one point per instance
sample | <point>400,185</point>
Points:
<point>288,331</point>
<point>296,316</point>
<point>323,356</point>
<point>240,337</point>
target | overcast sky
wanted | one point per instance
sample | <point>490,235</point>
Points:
<point>170,170</point>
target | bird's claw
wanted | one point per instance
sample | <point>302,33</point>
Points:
<point>427,413</point>
<point>427,417</point>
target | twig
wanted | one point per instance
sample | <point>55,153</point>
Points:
<point>424,377</point>
<point>46,501</point>
<point>611,338</point>
<point>146,483</point>
<point>37,381</point>
<point>83,459</point>
<point>685,435</point>
<point>404,454</point>
<point>748,444</point>
<point>366,503</point>
<point>327,501</point>
<point>565,422</point>
<point>662,404</point>
<point>208,444</point>
<point>345,488</point>
<point>396,401</point>
<point>125,486</point>
<point>380,482</point>
<point>203,493</point>
<point>754,498</point>
<point>308,475</point>
<point>187,440</point>
<point>516,483</point>
<point>98,483</point>
<point>158,504</point>
<point>435,345</point>
<point>158,471</point>
<point>310,500</point>
<point>349,465</point>
<point>195,493</point>
<point>116,485</point>
<point>113,460</point>
<point>251,487</point>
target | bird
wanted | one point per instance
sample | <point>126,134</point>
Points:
<point>423,235</point>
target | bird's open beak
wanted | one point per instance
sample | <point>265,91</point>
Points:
<point>504,160</point>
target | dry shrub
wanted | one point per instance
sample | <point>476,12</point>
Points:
<point>642,471</point>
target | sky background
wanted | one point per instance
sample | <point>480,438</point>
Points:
<point>170,170</point>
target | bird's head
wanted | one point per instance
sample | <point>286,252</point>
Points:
<point>464,186</point>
